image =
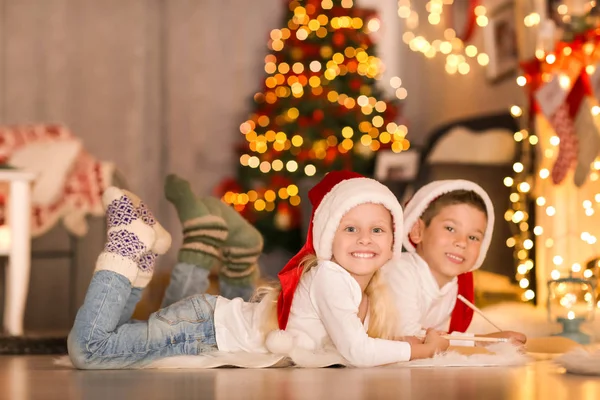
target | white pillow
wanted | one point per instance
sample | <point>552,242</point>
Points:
<point>463,146</point>
<point>51,162</point>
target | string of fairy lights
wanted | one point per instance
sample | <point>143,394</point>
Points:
<point>304,77</point>
<point>521,183</point>
<point>459,55</point>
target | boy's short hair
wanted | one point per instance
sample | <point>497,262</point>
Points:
<point>451,198</point>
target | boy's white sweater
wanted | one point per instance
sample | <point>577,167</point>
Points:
<point>420,301</point>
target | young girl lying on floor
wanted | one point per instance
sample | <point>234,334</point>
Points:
<point>332,297</point>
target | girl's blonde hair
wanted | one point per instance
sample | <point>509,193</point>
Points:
<point>383,316</point>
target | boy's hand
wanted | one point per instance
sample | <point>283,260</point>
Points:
<point>437,342</point>
<point>516,338</point>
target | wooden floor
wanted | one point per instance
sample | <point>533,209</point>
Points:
<point>35,377</point>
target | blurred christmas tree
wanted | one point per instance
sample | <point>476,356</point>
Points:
<point>319,110</point>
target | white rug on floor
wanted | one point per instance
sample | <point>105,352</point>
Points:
<point>497,355</point>
<point>581,361</point>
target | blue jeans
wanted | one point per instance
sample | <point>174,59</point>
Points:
<point>189,279</point>
<point>101,337</point>
<point>186,280</point>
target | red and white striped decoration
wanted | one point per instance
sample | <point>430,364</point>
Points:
<point>567,151</point>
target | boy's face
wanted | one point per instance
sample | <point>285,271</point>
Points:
<point>451,243</point>
<point>363,241</point>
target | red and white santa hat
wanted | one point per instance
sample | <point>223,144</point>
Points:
<point>424,196</point>
<point>336,194</point>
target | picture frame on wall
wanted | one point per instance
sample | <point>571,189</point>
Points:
<point>397,167</point>
<point>500,41</point>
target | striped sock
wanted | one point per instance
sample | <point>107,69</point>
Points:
<point>203,232</point>
<point>241,249</point>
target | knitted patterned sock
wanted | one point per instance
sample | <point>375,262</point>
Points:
<point>161,244</point>
<point>128,237</point>
<point>241,249</point>
<point>203,232</point>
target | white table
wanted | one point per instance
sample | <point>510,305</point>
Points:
<point>18,268</point>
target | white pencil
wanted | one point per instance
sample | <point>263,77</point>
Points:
<point>477,310</point>
<point>469,338</point>
<point>475,338</point>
